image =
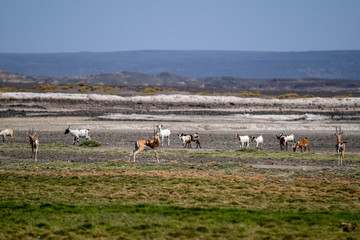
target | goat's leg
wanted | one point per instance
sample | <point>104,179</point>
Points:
<point>168,138</point>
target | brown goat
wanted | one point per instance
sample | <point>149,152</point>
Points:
<point>302,144</point>
<point>141,144</point>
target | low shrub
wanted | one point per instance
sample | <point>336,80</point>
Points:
<point>44,87</point>
<point>251,94</point>
<point>344,96</point>
<point>68,86</point>
<point>90,143</point>
<point>152,90</point>
<point>289,95</point>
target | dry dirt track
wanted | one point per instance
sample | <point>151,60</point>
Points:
<point>114,124</point>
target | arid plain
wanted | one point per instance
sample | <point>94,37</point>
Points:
<point>115,121</point>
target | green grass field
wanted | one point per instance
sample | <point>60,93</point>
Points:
<point>176,200</point>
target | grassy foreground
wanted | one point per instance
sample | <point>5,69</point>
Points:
<point>122,200</point>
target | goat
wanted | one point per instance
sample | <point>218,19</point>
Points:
<point>259,141</point>
<point>285,139</point>
<point>340,146</point>
<point>7,132</point>
<point>83,133</point>
<point>141,144</point>
<point>302,144</point>
<point>164,133</point>
<point>34,142</point>
<point>186,140</point>
<point>244,140</point>
<point>195,138</point>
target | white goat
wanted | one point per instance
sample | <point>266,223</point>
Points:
<point>7,132</point>
<point>186,140</point>
<point>285,139</point>
<point>164,133</point>
<point>244,140</point>
<point>83,133</point>
<point>259,141</point>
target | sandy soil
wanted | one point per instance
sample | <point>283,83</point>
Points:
<point>114,121</point>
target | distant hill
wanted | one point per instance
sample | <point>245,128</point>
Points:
<point>304,85</point>
<point>192,64</point>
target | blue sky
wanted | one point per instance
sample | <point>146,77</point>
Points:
<point>46,26</point>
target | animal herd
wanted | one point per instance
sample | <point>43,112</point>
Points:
<point>186,140</point>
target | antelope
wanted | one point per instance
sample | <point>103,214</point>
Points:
<point>285,139</point>
<point>83,133</point>
<point>340,146</point>
<point>302,144</point>
<point>141,144</point>
<point>244,140</point>
<point>34,142</point>
<point>259,141</point>
<point>164,133</point>
<point>7,132</point>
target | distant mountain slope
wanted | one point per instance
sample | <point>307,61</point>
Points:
<point>192,64</point>
<point>170,80</point>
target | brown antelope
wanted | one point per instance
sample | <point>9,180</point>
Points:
<point>302,144</point>
<point>141,144</point>
<point>340,146</point>
<point>34,142</point>
<point>7,132</point>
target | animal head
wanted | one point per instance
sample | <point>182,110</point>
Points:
<point>67,130</point>
<point>31,135</point>
<point>180,135</point>
<point>156,135</point>
<point>252,138</point>
<point>338,132</point>
<point>281,135</point>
